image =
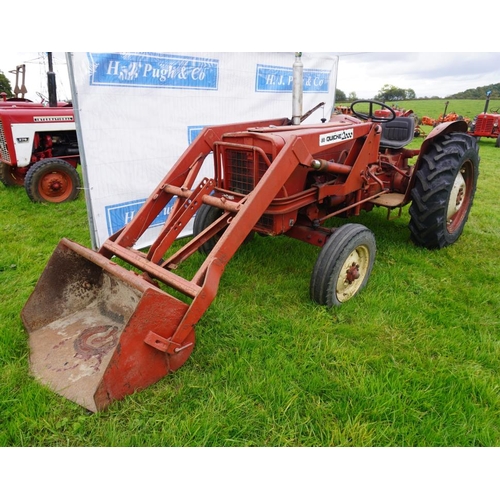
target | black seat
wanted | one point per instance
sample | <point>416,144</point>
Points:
<point>397,133</point>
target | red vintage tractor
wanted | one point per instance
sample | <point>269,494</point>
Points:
<point>486,124</point>
<point>103,324</point>
<point>39,147</point>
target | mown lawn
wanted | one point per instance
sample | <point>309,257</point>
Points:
<point>413,361</point>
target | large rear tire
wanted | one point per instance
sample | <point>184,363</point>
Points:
<point>343,265</point>
<point>444,190</point>
<point>52,180</point>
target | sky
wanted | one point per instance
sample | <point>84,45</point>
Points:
<point>428,74</point>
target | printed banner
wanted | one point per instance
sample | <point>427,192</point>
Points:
<point>137,112</point>
<point>161,70</point>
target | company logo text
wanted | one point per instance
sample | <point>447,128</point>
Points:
<point>153,70</point>
<point>119,215</point>
<point>333,137</point>
<point>280,79</point>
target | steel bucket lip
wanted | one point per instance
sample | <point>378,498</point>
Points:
<point>108,265</point>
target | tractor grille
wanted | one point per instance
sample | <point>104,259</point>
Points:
<point>244,169</point>
<point>266,222</point>
<point>484,124</point>
<point>4,152</point>
<point>244,166</point>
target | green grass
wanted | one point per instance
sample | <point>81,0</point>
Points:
<point>414,360</point>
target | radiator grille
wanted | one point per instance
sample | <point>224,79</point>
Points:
<point>4,152</point>
<point>244,169</point>
<point>484,124</point>
<point>266,222</point>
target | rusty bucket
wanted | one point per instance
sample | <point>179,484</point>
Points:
<point>93,328</point>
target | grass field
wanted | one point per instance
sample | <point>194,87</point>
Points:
<point>413,361</point>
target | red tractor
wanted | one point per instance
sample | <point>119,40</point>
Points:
<point>39,147</point>
<point>486,124</point>
<point>100,331</point>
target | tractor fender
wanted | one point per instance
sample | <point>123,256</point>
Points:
<point>443,128</point>
<point>438,130</point>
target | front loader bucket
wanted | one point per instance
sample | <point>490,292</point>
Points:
<point>93,328</point>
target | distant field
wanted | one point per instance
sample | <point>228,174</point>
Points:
<point>433,108</point>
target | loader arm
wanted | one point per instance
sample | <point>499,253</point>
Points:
<point>119,330</point>
<point>182,174</point>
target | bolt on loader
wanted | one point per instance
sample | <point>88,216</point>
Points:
<point>105,323</point>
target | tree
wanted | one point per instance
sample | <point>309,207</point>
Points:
<point>410,95</point>
<point>478,92</point>
<point>392,93</point>
<point>340,96</point>
<point>5,85</point>
<point>352,96</point>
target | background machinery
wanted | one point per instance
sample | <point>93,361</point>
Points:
<point>39,147</point>
<point>486,123</point>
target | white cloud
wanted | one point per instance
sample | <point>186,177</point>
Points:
<point>427,73</point>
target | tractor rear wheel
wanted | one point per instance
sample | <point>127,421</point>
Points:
<point>444,189</point>
<point>9,175</point>
<point>53,180</point>
<point>343,265</point>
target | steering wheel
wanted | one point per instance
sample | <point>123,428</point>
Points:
<point>371,115</point>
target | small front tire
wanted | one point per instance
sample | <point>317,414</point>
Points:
<point>343,265</point>
<point>205,217</point>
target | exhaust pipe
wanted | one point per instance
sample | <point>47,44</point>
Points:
<point>51,81</point>
<point>297,90</point>
<point>488,94</point>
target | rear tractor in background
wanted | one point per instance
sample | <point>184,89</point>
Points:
<point>39,147</point>
<point>486,124</point>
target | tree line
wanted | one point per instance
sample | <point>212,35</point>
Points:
<point>391,93</point>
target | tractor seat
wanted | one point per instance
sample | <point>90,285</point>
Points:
<point>397,133</point>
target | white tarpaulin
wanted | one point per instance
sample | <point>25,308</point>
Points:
<point>136,113</point>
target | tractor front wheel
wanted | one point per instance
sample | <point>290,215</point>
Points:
<point>206,215</point>
<point>343,265</point>
<point>497,142</point>
<point>444,189</point>
<point>53,180</point>
<point>9,175</point>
